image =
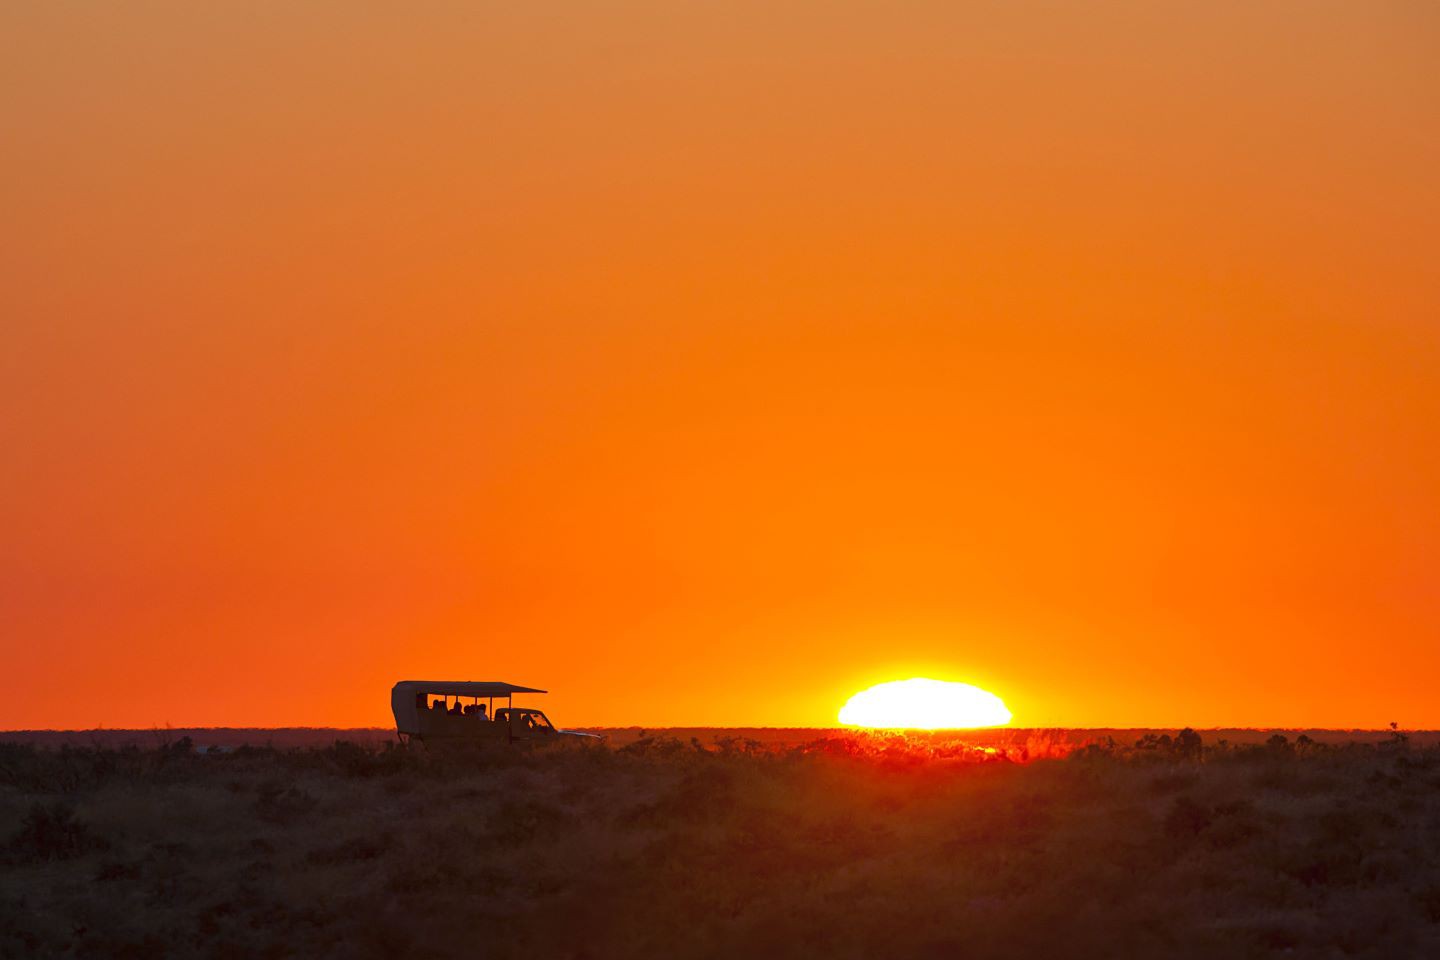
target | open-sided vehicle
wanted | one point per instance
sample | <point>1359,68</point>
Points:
<point>435,712</point>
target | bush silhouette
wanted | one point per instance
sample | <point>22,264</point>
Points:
<point>51,832</point>
<point>282,805</point>
<point>1188,744</point>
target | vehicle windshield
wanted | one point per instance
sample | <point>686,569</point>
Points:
<point>541,722</point>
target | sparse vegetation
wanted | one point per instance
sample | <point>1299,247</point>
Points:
<point>846,846</point>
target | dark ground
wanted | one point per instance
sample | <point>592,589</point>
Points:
<point>753,843</point>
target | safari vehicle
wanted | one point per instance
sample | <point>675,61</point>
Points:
<point>433,712</point>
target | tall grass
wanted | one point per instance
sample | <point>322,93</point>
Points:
<point>847,846</point>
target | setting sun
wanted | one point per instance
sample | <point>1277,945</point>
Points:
<point>921,704</point>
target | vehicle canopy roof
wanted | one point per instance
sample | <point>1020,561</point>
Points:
<point>402,696</point>
<point>462,688</point>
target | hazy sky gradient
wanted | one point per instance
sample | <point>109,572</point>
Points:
<point>706,363</point>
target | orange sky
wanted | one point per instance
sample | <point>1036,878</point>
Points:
<point>706,363</point>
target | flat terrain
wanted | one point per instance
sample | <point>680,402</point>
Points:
<point>725,843</point>
<point>290,737</point>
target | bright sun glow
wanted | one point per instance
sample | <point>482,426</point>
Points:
<point>921,704</point>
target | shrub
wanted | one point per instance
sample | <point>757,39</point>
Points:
<point>282,805</point>
<point>1187,818</point>
<point>51,832</point>
<point>1188,745</point>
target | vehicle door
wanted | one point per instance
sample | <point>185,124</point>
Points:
<point>521,727</point>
